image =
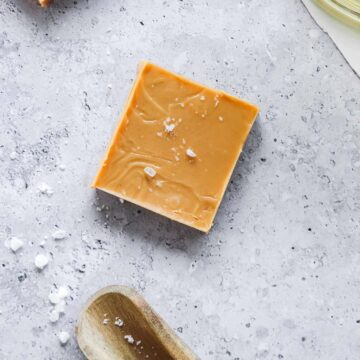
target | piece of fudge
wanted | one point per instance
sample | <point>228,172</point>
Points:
<point>175,147</point>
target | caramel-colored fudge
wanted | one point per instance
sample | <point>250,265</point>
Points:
<point>175,147</point>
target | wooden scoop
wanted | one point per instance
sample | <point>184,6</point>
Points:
<point>117,323</point>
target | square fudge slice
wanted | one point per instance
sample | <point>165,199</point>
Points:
<point>175,147</point>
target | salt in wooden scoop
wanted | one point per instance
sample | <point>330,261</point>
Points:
<point>117,323</point>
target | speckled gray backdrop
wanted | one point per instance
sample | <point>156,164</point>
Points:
<point>278,277</point>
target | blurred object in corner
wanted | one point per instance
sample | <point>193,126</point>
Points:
<point>346,38</point>
<point>45,3</point>
<point>347,11</point>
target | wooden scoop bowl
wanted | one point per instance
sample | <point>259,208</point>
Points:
<point>139,333</point>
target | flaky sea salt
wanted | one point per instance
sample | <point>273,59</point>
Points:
<point>119,323</point>
<point>41,261</point>
<point>15,244</point>
<point>221,118</point>
<point>121,200</point>
<point>190,153</point>
<point>129,339</point>
<point>63,292</point>
<point>106,321</point>
<point>13,155</point>
<point>59,235</point>
<point>56,297</point>
<point>54,316</point>
<point>150,171</point>
<point>169,127</point>
<point>63,337</point>
<point>45,189</point>
<point>202,98</point>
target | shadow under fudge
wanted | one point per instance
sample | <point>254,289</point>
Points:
<point>140,223</point>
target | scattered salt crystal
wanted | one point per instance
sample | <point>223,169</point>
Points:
<point>119,323</point>
<point>45,189</point>
<point>190,153</point>
<point>15,244</point>
<point>63,292</point>
<point>221,118</point>
<point>182,105</point>
<point>63,337</point>
<point>62,167</point>
<point>202,98</point>
<point>216,100</point>
<point>54,298</point>
<point>150,171</point>
<point>59,235</point>
<point>106,321</point>
<point>169,127</point>
<point>13,155</point>
<point>54,316</point>
<point>138,342</point>
<point>41,261</point>
<point>129,339</point>
<point>121,200</point>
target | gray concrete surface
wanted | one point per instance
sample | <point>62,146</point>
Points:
<point>278,277</point>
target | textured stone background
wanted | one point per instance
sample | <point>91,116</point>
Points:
<point>278,277</point>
